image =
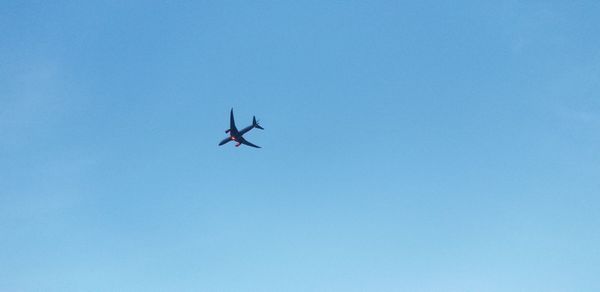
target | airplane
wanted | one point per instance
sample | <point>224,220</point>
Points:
<point>235,135</point>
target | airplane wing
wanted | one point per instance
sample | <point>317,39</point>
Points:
<point>245,142</point>
<point>232,122</point>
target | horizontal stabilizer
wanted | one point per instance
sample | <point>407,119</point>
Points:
<point>255,124</point>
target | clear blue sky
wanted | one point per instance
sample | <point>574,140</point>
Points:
<point>430,146</point>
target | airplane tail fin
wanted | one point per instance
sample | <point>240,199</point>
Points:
<point>255,123</point>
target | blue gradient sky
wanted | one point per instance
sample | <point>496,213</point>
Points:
<point>423,146</point>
